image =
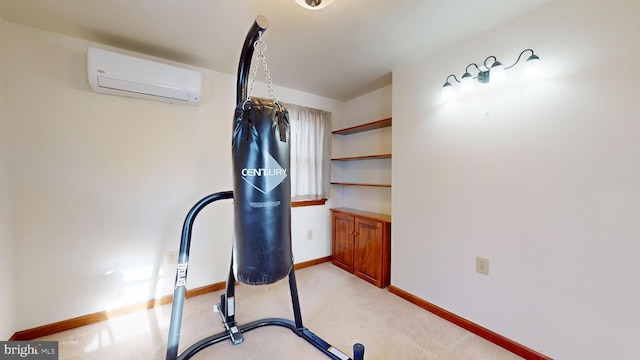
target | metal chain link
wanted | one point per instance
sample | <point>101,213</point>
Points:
<point>260,46</point>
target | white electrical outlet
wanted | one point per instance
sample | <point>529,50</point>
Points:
<point>172,257</point>
<point>482,265</point>
<point>309,234</point>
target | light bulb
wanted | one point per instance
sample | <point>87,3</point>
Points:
<point>496,73</point>
<point>466,84</point>
<point>447,92</point>
<point>532,67</point>
<point>314,4</point>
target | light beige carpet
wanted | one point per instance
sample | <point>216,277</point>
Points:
<point>337,306</point>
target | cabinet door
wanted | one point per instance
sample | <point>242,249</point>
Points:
<point>342,241</point>
<point>368,250</point>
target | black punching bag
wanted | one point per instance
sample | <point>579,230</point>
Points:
<point>262,192</point>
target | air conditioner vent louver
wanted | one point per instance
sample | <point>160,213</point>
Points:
<point>117,74</point>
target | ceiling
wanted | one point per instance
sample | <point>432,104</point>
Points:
<point>340,52</point>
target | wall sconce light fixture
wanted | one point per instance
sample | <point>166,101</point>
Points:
<point>490,71</point>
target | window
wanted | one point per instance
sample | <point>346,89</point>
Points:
<point>310,153</point>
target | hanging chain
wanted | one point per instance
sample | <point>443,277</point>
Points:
<point>260,46</point>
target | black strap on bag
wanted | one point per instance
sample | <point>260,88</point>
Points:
<point>262,187</point>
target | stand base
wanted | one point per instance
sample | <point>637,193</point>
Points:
<point>304,333</point>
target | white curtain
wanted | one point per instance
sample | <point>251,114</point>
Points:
<point>310,152</point>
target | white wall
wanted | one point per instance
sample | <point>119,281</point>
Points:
<point>102,184</point>
<point>7,278</point>
<point>375,105</point>
<point>540,177</point>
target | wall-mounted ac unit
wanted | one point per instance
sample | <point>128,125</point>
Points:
<point>123,75</point>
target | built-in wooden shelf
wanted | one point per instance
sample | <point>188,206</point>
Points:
<point>360,184</point>
<point>365,157</point>
<point>349,162</point>
<point>364,127</point>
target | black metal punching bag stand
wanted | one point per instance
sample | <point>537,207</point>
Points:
<point>226,306</point>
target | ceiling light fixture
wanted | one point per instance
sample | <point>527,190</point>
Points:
<point>491,71</point>
<point>314,4</point>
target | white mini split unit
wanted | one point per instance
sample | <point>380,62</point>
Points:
<point>123,75</point>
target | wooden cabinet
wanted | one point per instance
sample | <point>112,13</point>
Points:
<point>342,229</point>
<point>361,244</point>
